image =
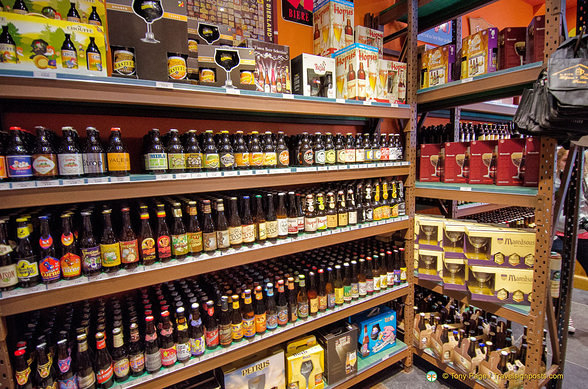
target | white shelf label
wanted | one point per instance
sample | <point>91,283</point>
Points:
<point>197,175</point>
<point>213,174</point>
<point>163,177</point>
<point>76,181</point>
<point>245,172</point>
<point>371,165</point>
<point>470,79</point>
<point>232,91</point>
<point>340,101</point>
<point>261,171</point>
<point>183,176</point>
<point>306,169</point>
<point>230,174</point>
<point>333,167</point>
<point>48,183</point>
<point>164,85</point>
<point>23,185</point>
<point>288,96</point>
<point>96,180</point>
<point>465,189</point>
<point>322,168</point>
<point>281,171</point>
<point>394,105</point>
<point>120,179</point>
<point>44,74</point>
<point>343,167</point>
<point>4,186</point>
<point>368,102</point>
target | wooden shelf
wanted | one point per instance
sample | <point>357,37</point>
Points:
<point>425,354</point>
<point>512,312</point>
<point>21,195</point>
<point>109,91</point>
<point>491,194</point>
<point>503,83</point>
<point>475,208</point>
<point>220,357</point>
<point>63,292</point>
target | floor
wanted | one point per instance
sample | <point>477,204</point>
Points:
<point>576,367</point>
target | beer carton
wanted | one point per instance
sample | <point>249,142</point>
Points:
<point>479,53</point>
<point>213,74</point>
<point>531,159</point>
<point>357,72</point>
<point>305,362</point>
<point>511,47</point>
<point>454,259</point>
<point>509,160</point>
<point>391,83</point>
<point>429,164</point>
<point>500,285</point>
<point>504,247</point>
<point>430,264</point>
<point>377,330</point>
<point>535,43</point>
<point>204,33</point>
<point>481,157</point>
<point>454,162</point>
<point>313,75</point>
<point>370,37</point>
<point>437,65</point>
<point>272,63</point>
<point>340,344</point>
<point>429,232</point>
<point>333,26</point>
<point>265,373</point>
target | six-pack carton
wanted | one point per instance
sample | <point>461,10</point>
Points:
<point>391,83</point>
<point>370,37</point>
<point>437,65</point>
<point>267,372</point>
<point>333,26</point>
<point>511,47</point>
<point>313,75</point>
<point>479,53</point>
<point>357,72</point>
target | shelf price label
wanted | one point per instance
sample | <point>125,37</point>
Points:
<point>44,74</point>
<point>465,189</point>
<point>232,91</point>
<point>164,85</point>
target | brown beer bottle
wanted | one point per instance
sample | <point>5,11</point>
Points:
<point>208,230</point>
<point>71,266</point>
<point>163,237</point>
<point>271,219</point>
<point>44,157</point>
<point>235,227</point>
<point>119,163</point>
<point>260,311</point>
<point>129,244</point>
<point>259,220</point>
<point>248,226</point>
<point>282,216</point>
<point>8,279</point>
<point>179,235</point>
<point>241,151</point>
<point>194,231</point>
<point>292,215</point>
<point>109,245</point>
<point>223,241</point>
<point>147,247</point>
<point>89,248</point>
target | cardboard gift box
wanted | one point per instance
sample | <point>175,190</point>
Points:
<point>481,153</point>
<point>535,43</point>
<point>357,72</point>
<point>437,65</point>
<point>370,37</point>
<point>391,83</point>
<point>429,232</point>
<point>430,264</point>
<point>340,344</point>
<point>268,372</point>
<point>272,63</point>
<point>204,33</point>
<point>511,47</point>
<point>305,363</point>
<point>454,162</point>
<point>333,26</point>
<point>479,53</point>
<point>429,164</point>
<point>212,74</point>
<point>505,247</point>
<point>377,330</point>
<point>531,160</point>
<point>42,45</point>
<point>54,9</point>
<point>509,160</point>
<point>500,285</point>
<point>313,75</point>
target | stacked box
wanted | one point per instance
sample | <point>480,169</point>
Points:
<point>479,53</point>
<point>437,66</point>
<point>377,330</point>
<point>509,161</point>
<point>454,162</point>
<point>340,344</point>
<point>212,74</point>
<point>262,373</point>
<point>357,72</point>
<point>511,47</point>
<point>305,363</point>
<point>391,84</point>
<point>535,43</point>
<point>454,273</point>
<point>204,33</point>
<point>370,37</point>
<point>313,75</point>
<point>500,285</point>
<point>272,61</point>
<point>481,156</point>
<point>429,162</point>
<point>333,26</point>
<point>502,247</point>
<point>531,159</point>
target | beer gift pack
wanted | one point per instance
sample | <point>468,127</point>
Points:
<point>454,163</point>
<point>52,45</point>
<point>530,164</point>
<point>481,156</point>
<point>357,72</point>
<point>391,83</point>
<point>479,53</point>
<point>429,162</point>
<point>340,344</point>
<point>511,47</point>
<point>333,26</point>
<point>535,42</point>
<point>377,330</point>
<point>261,373</point>
<point>437,66</point>
<point>430,264</point>
<point>454,259</point>
<point>313,75</point>
<point>213,74</point>
<point>509,159</point>
<point>60,10</point>
<point>500,285</point>
<point>204,33</point>
<point>272,61</point>
<point>305,363</point>
<point>157,36</point>
<point>370,37</point>
<point>502,247</point>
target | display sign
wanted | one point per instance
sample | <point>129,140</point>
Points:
<point>297,11</point>
<point>440,35</point>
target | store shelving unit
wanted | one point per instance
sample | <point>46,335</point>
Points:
<point>507,195</point>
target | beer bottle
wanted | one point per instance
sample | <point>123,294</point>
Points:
<point>259,311</point>
<point>342,214</point>
<point>119,356</point>
<point>222,227</point>
<point>20,7</point>
<point>236,320</point>
<point>300,210</point>
<point>208,228</point>
<point>22,370</point>
<point>94,18</point>
<point>119,164</point>
<point>303,302</point>
<point>93,156</point>
<point>8,277</point>
<point>354,281</point>
<point>227,158</point>
<point>49,266</point>
<point>330,288</point>
<point>194,231</point>
<point>19,162</point>
<point>255,151</point>
<point>272,220</point>
<point>248,315</point>
<point>393,274</point>
<point>196,332</point>
<point>393,200</point>
<point>347,296</point>
<point>349,148</point>
<point>93,56</point>
<point>292,215</point>
<point>313,299</point>
<point>292,301</point>
<point>86,378</point>
<point>376,151</point>
<point>310,218</point>
<point>270,156</point>
<point>351,208</point>
<point>322,291</point>
<point>319,149</point>
<point>69,157</point>
<point>225,330</point>
<point>235,227</point>
<point>176,156</point>
<point>367,147</point>
<point>338,286</point>
<point>282,217</point>
<point>71,266</point>
<point>369,276</point>
<point>136,353</point>
<point>89,248</point>
<point>8,54</point>
<point>386,209</point>
<point>330,151</point>
<point>69,54</point>
<point>403,276</point>
<point>147,246</point>
<point>179,236</point>
<point>375,263</point>
<point>271,308</point>
<point>103,363</point>
<point>183,340</point>
<point>210,155</point>
<point>193,152</point>
<point>3,172</point>
<point>163,238</point>
<point>45,373</point>
<point>129,246</point>
<point>384,148</point>
<point>359,149</point>
<point>321,214</point>
<point>152,354</point>
<point>241,151</point>
<point>44,157</point>
<point>305,151</point>
<point>361,277</point>
<point>211,327</point>
<point>259,220</point>
<point>109,246</point>
<point>66,377</point>
<point>400,201</point>
<point>167,346</point>
<point>155,154</point>
<point>282,305</point>
<point>73,15</point>
<point>368,208</point>
<point>332,220</point>
<point>341,156</point>
<point>282,151</point>
<point>248,227</point>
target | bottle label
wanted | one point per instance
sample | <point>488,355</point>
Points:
<point>347,293</point>
<point>293,312</point>
<point>94,61</point>
<point>70,164</point>
<point>235,235</point>
<point>377,283</point>
<point>8,276</point>
<point>209,241</point>
<point>341,156</point>
<point>383,282</point>
<point>94,162</point>
<point>283,315</point>
<point>292,226</point>
<point>331,300</point>
<point>3,173</point>
<point>155,161</point>
<point>369,285</point>
<point>169,356</point>
<point>177,161</point>
<point>303,310</point>
<point>50,269</point>
<point>359,155</point>
<point>352,216</point>
<point>242,159</point>
<point>354,290</point>
<point>227,160</point>
<point>8,50</point>
<point>194,160</point>
<point>322,303</point>
<point>260,323</point>
<point>403,274</point>
<point>153,361</point>
<point>310,224</point>
<point>237,331</point>
<point>91,260</point>
<point>314,305</point>
<point>300,223</point>
<point>71,265</point>
<point>45,164</point>
<point>270,158</point>
<point>26,268</point>
<point>195,242</point>
<point>248,233</point>
<point>261,231</point>
<point>321,223</point>
<point>164,247</point>
<point>118,162</point>
<point>284,158</point>
<point>320,157</point>
<point>129,251</point>
<point>362,288</point>
<point>19,165</point>
<point>369,155</point>
<point>272,229</point>
<point>137,362</point>
<point>222,239</point>
<point>249,327</point>
<point>211,161</point>
<point>121,367</point>
<point>64,364</point>
<point>330,157</point>
<point>211,338</point>
<point>69,383</point>
<point>87,381</point>
<point>332,221</point>
<point>343,219</point>
<point>339,296</point>
<point>69,58</point>
<point>283,226</point>
<point>271,321</point>
<point>180,244</point>
<point>197,346</point>
<point>110,254</point>
<point>384,153</point>
<point>104,375</point>
<point>183,351</point>
<point>308,157</point>
<point>256,159</point>
<point>23,376</point>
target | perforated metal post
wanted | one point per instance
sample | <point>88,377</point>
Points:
<point>6,375</point>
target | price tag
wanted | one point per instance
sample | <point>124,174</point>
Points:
<point>282,171</point>
<point>368,102</point>
<point>306,169</point>
<point>394,105</point>
<point>232,91</point>
<point>163,177</point>
<point>340,101</point>
<point>120,179</point>
<point>322,168</point>
<point>467,80</point>
<point>44,74</point>
<point>288,96</point>
<point>214,174</point>
<point>4,186</point>
<point>261,171</point>
<point>183,176</point>
<point>164,85</point>
<point>333,167</point>
<point>345,229</point>
<point>46,184</point>
<point>230,174</point>
<point>77,181</point>
<point>245,172</point>
<point>371,165</point>
<point>197,175</point>
<point>23,185</point>
<point>343,167</point>
<point>94,180</point>
<point>353,166</point>
<point>465,189</point>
